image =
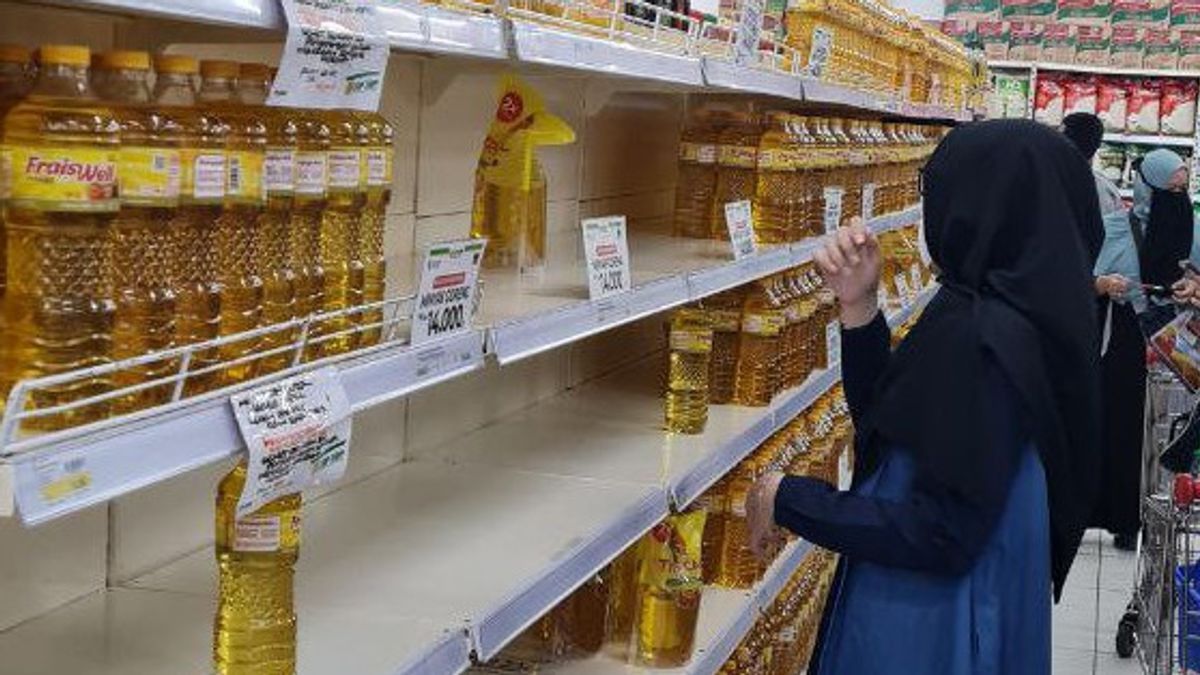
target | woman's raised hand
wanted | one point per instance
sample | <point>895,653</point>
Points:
<point>848,259</point>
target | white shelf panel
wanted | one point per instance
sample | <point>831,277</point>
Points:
<point>244,13</point>
<point>723,74</point>
<point>546,45</point>
<point>1099,70</point>
<point>424,27</point>
<point>125,454</point>
<point>1150,139</point>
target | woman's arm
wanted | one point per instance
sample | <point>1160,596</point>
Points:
<point>865,354</point>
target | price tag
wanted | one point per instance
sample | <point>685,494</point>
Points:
<point>845,472</point>
<point>868,201</point>
<point>903,292</point>
<point>749,30</point>
<point>335,56</point>
<point>739,217</point>
<point>918,280</point>
<point>297,432</point>
<point>833,208</point>
<point>833,343</point>
<point>445,302</point>
<point>61,476</point>
<point>607,251</point>
<point>822,48</point>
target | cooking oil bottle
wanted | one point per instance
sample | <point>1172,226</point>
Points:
<point>62,145</point>
<point>255,627</point>
<point>193,227</point>
<point>339,231</point>
<point>308,205</point>
<point>762,321</point>
<point>714,502</point>
<point>725,317</point>
<point>274,223</point>
<point>737,166</point>
<point>622,576</point>
<point>15,80</point>
<point>777,191</point>
<point>670,584</point>
<point>143,248</point>
<point>697,179</point>
<point>239,253</point>
<point>377,172</point>
<point>687,371</point>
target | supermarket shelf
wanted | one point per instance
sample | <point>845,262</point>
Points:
<point>195,432</point>
<point>1151,139</point>
<point>242,13</point>
<point>816,91</point>
<point>668,271</point>
<point>723,74</point>
<point>534,43</point>
<point>418,26</point>
<point>1098,70</point>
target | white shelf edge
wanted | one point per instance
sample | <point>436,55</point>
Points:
<point>725,75</point>
<point>240,13</point>
<point>125,454</point>
<point>451,656</point>
<point>1097,70</point>
<point>1150,139</point>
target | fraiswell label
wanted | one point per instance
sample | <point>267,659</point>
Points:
<point>68,179</point>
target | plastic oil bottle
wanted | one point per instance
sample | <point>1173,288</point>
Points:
<point>202,191</point>
<point>778,192</point>
<point>690,338</point>
<point>308,205</point>
<point>714,502</point>
<point>725,317</point>
<point>15,81</point>
<point>697,178</point>
<point>762,321</point>
<point>622,577</point>
<point>737,166</point>
<point>62,145</point>
<point>274,224</point>
<point>669,597</point>
<point>239,253</point>
<point>377,172</point>
<point>255,628</point>
<point>340,246</point>
<point>143,248</point>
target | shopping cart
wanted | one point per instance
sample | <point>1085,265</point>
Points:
<point>1162,621</point>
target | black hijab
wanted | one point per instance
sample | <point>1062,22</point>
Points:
<point>1012,221</point>
<point>1168,236</point>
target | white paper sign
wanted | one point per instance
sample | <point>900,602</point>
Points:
<point>822,48</point>
<point>335,56</point>
<point>297,432</point>
<point>903,292</point>
<point>445,302</point>
<point>739,218</point>
<point>607,252</point>
<point>918,280</point>
<point>868,201</point>
<point>833,343</point>
<point>749,31</point>
<point>833,208</point>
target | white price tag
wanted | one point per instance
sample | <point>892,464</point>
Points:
<point>868,201</point>
<point>61,476</point>
<point>914,273</point>
<point>819,53</point>
<point>607,251</point>
<point>903,292</point>
<point>833,343</point>
<point>297,432</point>
<point>739,217</point>
<point>335,56</point>
<point>445,295</point>
<point>833,208</point>
<point>749,31</point>
<point>845,471</point>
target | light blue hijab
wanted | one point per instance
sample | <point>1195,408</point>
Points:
<point>1157,168</point>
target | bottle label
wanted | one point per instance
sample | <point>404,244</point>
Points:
<point>64,178</point>
<point>311,173</point>
<point>279,168</point>
<point>245,176</point>
<point>698,153</point>
<point>378,167</point>
<point>203,174</point>
<point>345,168</point>
<point>763,323</point>
<point>725,320</point>
<point>149,175</point>
<point>745,157</point>
<point>691,341</point>
<point>266,533</point>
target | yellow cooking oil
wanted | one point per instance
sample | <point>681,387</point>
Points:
<point>144,252</point>
<point>778,193</point>
<point>737,567</point>
<point>669,597</point>
<point>62,145</point>
<point>697,178</point>
<point>762,322</point>
<point>737,168</point>
<point>622,577</point>
<point>347,196</point>
<point>725,317</point>
<point>202,162</point>
<point>377,172</point>
<point>16,78</point>
<point>254,632</point>
<point>239,241</point>
<point>690,338</point>
<point>274,221</point>
<point>311,168</point>
<point>714,501</point>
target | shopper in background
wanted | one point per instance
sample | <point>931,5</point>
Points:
<point>1086,131</point>
<point>975,463</point>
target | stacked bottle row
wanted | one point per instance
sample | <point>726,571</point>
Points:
<point>746,345</point>
<point>142,216</point>
<point>904,272</point>
<point>802,175</point>
<point>782,640</point>
<point>811,445</point>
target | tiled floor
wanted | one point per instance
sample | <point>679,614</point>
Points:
<point>1085,622</point>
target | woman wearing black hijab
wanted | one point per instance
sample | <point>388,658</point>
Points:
<point>975,455</point>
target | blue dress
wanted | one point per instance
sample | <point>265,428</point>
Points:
<point>928,583</point>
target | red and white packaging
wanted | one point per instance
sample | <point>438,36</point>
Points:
<point>1127,47</point>
<point>1079,95</point>
<point>1189,48</point>
<point>1145,102</point>
<point>1112,103</point>
<point>1049,99</point>
<point>1178,108</point>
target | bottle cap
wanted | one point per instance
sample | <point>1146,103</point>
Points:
<point>125,60</point>
<point>13,54</point>
<point>176,65</point>
<point>219,69</point>
<point>65,55</point>
<point>254,71</point>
